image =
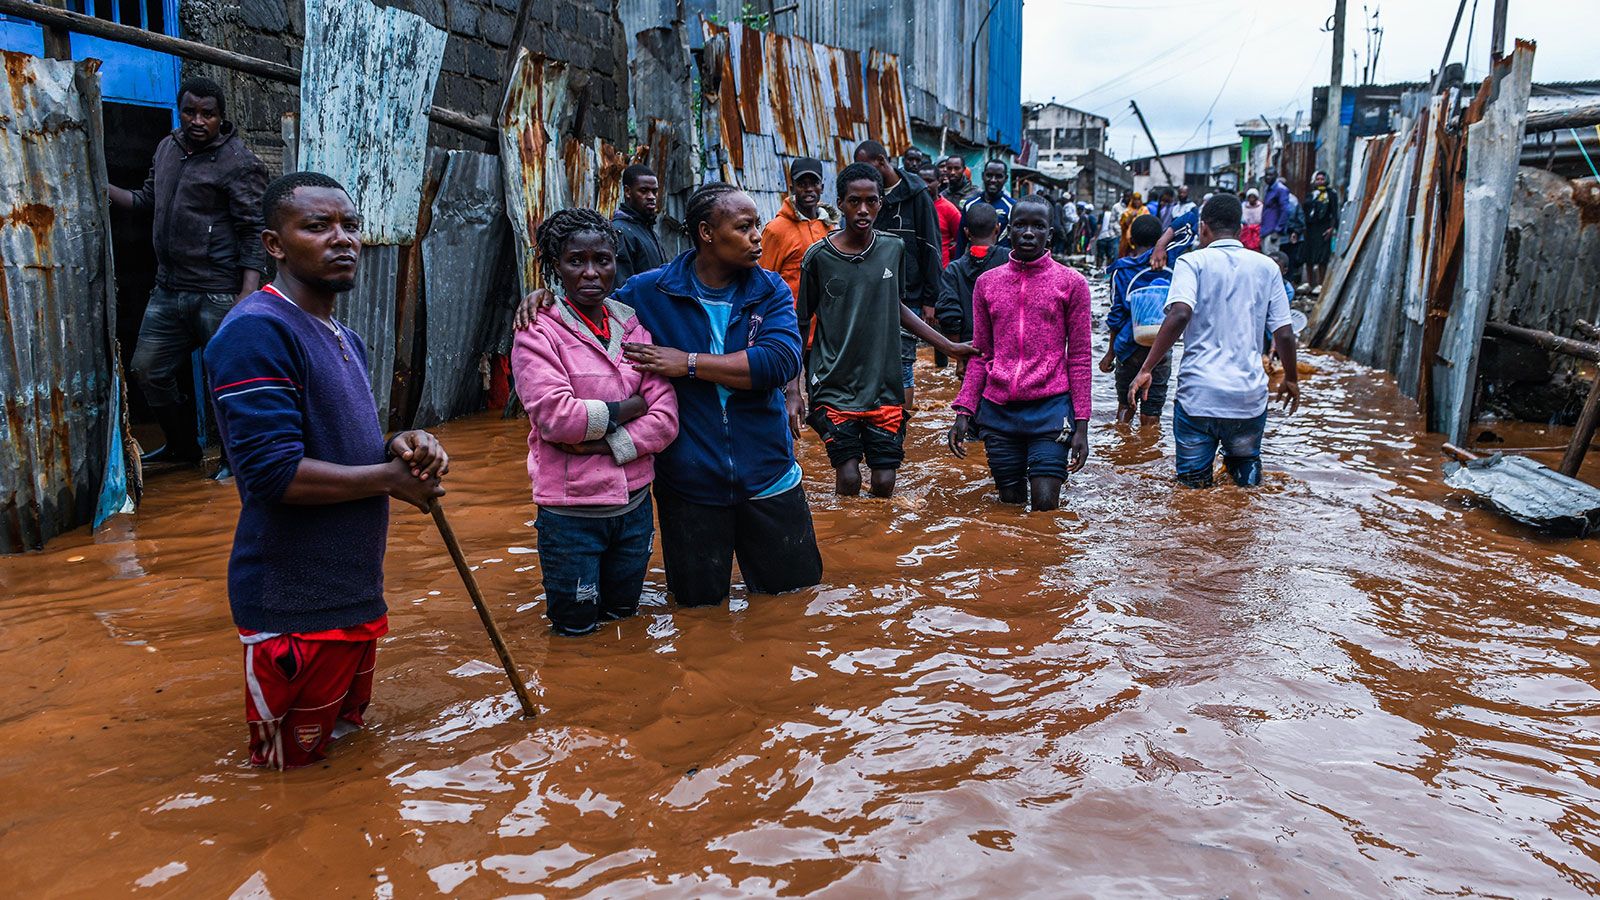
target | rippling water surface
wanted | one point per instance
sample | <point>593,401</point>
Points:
<point>1348,682</point>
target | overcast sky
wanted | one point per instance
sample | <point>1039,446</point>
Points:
<point>1260,57</point>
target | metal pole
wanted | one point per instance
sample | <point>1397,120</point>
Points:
<point>1146,126</point>
<point>1438,78</point>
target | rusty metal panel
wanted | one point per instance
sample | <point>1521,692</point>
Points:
<point>809,100</point>
<point>368,310</point>
<point>61,443</point>
<point>1494,146</point>
<point>543,167</point>
<point>459,257</point>
<point>367,81</point>
<point>889,124</point>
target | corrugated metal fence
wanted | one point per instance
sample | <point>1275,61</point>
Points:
<point>61,439</point>
<point>779,97</point>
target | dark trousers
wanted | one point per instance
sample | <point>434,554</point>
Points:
<point>593,567</point>
<point>772,538</point>
<point>176,323</point>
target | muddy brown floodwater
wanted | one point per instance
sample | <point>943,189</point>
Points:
<point>1349,682</point>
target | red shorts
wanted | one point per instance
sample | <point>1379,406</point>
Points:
<point>298,690</point>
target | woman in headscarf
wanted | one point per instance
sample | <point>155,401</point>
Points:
<point>1136,208</point>
<point>1250,232</point>
<point>1322,220</point>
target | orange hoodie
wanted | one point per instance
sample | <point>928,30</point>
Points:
<point>784,243</point>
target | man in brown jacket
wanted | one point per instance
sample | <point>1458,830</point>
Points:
<point>204,190</point>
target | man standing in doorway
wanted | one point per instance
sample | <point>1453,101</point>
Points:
<point>638,249</point>
<point>908,213</point>
<point>204,189</point>
<point>994,193</point>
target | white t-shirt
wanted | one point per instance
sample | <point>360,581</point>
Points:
<point>1238,298</point>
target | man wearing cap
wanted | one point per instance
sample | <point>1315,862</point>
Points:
<point>801,222</point>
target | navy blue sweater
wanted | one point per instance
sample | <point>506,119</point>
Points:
<point>282,391</point>
<point>724,454</point>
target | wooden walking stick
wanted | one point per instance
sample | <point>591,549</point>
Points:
<point>499,642</point>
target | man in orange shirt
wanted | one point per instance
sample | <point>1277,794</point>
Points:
<point>801,222</point>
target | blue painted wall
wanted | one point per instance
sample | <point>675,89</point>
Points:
<point>1005,74</point>
<point>128,74</point>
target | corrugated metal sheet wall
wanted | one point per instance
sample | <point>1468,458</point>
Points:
<point>60,435</point>
<point>1552,258</point>
<point>932,39</point>
<point>459,255</point>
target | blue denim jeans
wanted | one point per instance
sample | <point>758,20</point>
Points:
<point>176,323</point>
<point>1198,439</point>
<point>593,568</point>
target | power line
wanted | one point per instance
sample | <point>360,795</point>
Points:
<point>1227,78</point>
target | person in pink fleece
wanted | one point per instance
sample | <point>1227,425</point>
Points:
<point>1026,394</point>
<point>597,423</point>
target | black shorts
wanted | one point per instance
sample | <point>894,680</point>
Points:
<point>772,538</point>
<point>1160,376</point>
<point>859,436</point>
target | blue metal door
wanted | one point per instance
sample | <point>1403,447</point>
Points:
<point>128,74</point>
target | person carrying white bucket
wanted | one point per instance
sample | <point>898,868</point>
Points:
<point>1138,305</point>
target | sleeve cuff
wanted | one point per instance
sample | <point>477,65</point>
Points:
<point>599,418</point>
<point>621,443</point>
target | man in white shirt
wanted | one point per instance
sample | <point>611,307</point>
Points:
<point>1223,300</point>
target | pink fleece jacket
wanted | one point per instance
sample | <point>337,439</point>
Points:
<point>566,378</point>
<point>1030,323</point>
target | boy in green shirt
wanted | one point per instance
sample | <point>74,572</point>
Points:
<point>851,283</point>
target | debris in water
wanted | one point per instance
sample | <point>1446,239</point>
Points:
<point>1529,492</point>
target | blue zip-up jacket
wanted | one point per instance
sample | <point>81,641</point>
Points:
<point>724,454</point>
<point>1119,320</point>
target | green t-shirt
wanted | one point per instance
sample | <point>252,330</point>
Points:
<point>854,361</point>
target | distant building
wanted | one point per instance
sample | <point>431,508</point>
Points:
<point>1202,169</point>
<point>1068,146</point>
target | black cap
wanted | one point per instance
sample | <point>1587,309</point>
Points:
<point>804,165</point>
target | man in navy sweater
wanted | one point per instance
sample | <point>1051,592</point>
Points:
<point>294,406</point>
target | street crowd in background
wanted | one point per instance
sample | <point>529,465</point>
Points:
<point>664,396</point>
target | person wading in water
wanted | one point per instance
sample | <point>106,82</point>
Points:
<point>295,410</point>
<point>725,331</point>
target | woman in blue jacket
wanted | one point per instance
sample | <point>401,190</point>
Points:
<point>727,338</point>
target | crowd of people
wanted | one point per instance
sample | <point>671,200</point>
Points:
<point>1276,221</point>
<point>667,394</point>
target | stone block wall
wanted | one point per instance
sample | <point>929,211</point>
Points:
<point>585,33</point>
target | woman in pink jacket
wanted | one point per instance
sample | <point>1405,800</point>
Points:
<point>597,423</point>
<point>1026,393</point>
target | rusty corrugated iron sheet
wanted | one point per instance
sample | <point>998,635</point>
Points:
<point>367,81</point>
<point>778,97</point>
<point>662,89</point>
<point>459,256</point>
<point>61,437</point>
<point>544,167</point>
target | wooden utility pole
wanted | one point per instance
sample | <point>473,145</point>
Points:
<point>1146,126</point>
<point>1497,43</point>
<point>1331,153</point>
